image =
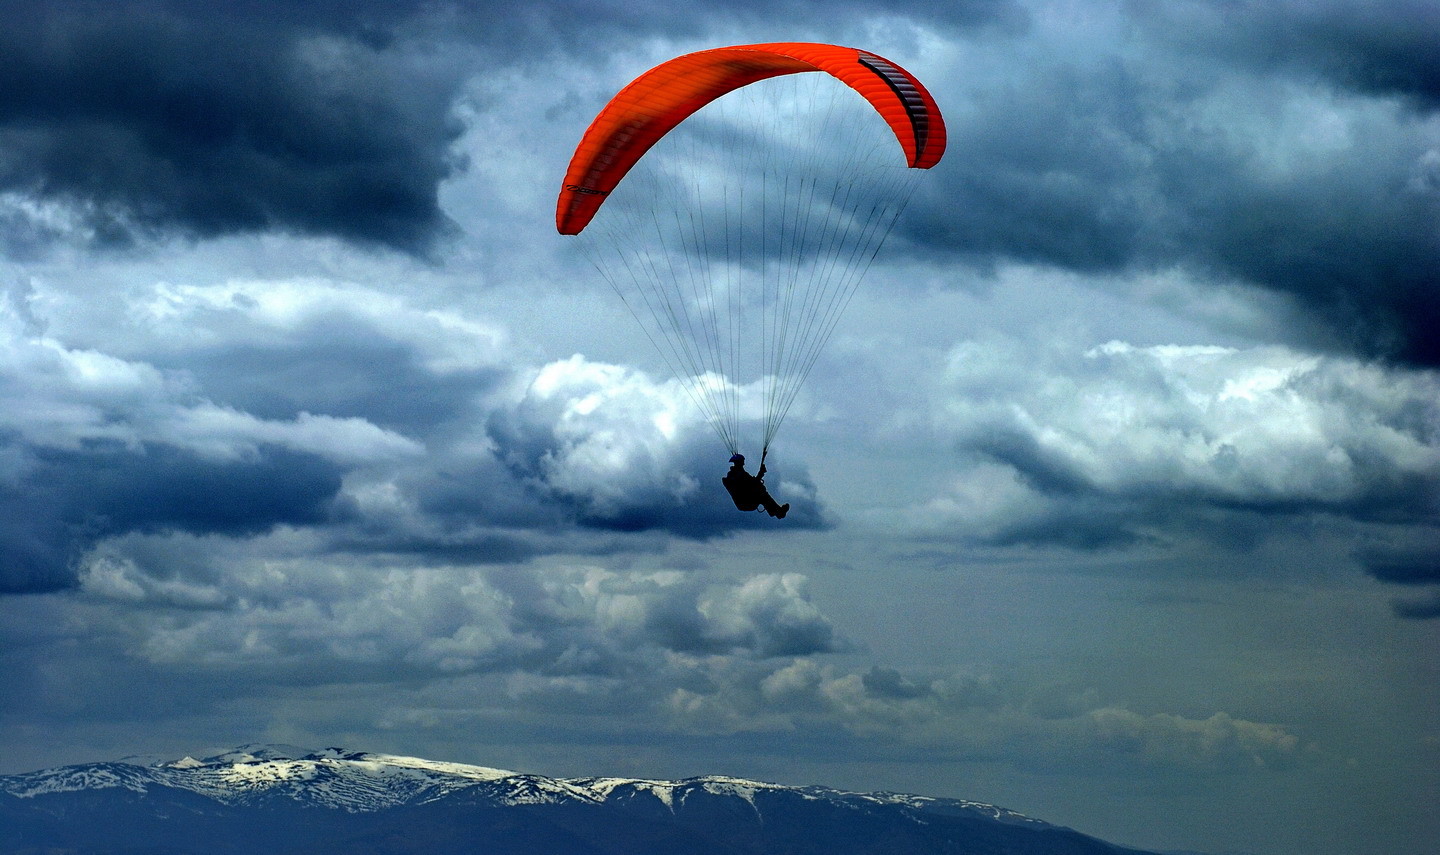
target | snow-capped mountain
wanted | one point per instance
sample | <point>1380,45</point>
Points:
<point>260,774</point>
<point>284,799</point>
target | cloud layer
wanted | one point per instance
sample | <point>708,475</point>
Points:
<point>390,428</point>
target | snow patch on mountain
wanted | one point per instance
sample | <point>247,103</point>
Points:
<point>664,791</point>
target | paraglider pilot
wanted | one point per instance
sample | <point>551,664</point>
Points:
<point>749,491</point>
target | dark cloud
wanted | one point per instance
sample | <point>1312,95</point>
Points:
<point>1417,566</point>
<point>600,26</point>
<point>67,500</point>
<point>1047,171</point>
<point>1427,608</point>
<point>339,365</point>
<point>1383,50</point>
<point>1378,49</point>
<point>154,117</point>
<point>1354,244</point>
<point>1416,569</point>
<point>1115,162</point>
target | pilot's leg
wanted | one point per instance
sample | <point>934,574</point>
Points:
<point>775,510</point>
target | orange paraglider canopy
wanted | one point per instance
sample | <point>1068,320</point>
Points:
<point>661,98</point>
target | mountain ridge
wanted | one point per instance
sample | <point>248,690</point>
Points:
<point>268,798</point>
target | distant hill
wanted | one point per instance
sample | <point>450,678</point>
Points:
<point>280,799</point>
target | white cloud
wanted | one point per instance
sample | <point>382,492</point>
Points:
<point>771,615</point>
<point>119,579</point>
<point>226,433</point>
<point>610,424</point>
<point>1187,426</point>
<point>604,435</point>
<point>260,310</point>
<point>1219,741</point>
<point>59,397</point>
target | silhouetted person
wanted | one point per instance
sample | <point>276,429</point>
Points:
<point>749,491</point>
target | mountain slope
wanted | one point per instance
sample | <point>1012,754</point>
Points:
<point>276,799</point>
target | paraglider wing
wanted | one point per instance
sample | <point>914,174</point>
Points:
<point>663,97</point>
<point>737,237</point>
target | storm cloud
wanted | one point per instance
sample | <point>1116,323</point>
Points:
<point>1355,45</point>
<point>148,119</point>
<point>1174,145</point>
<point>132,122</point>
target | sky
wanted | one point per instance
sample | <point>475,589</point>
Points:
<point>1116,492</point>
